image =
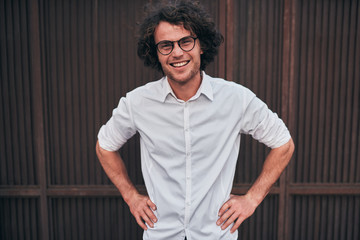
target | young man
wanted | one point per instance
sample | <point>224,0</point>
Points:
<point>190,126</point>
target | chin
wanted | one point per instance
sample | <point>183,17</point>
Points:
<point>182,78</point>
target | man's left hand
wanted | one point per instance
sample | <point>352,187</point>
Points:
<point>236,210</point>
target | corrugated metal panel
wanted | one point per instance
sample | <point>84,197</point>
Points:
<point>325,217</point>
<point>92,218</point>
<point>257,65</point>
<point>19,218</point>
<point>257,47</point>
<point>327,92</point>
<point>17,165</point>
<point>91,63</point>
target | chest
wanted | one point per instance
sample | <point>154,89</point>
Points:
<point>173,127</point>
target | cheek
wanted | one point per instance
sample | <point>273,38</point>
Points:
<point>162,59</point>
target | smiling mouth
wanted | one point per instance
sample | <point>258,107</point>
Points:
<point>179,64</point>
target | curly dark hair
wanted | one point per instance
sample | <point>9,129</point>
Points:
<point>192,16</point>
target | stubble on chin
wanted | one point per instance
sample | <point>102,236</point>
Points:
<point>179,79</point>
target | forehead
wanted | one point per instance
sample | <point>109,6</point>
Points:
<point>171,32</point>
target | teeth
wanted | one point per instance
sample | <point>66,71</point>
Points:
<point>180,64</point>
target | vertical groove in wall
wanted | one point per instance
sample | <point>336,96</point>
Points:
<point>17,165</point>
<point>257,65</point>
<point>315,217</point>
<point>327,92</point>
<point>85,44</point>
<point>92,218</point>
<point>19,218</point>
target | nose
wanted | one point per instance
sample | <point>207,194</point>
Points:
<point>177,51</point>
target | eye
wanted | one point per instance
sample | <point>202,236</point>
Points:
<point>186,41</point>
<point>165,45</point>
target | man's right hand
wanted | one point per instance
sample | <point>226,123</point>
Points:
<point>142,208</point>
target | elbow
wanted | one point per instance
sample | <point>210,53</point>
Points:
<point>102,153</point>
<point>290,148</point>
<point>98,150</point>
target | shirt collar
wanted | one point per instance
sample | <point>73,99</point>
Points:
<point>205,89</point>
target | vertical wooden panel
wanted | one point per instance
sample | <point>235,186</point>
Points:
<point>288,101</point>
<point>36,75</point>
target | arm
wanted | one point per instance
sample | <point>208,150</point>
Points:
<point>115,169</point>
<point>239,208</point>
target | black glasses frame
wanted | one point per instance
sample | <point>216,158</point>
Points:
<point>178,42</point>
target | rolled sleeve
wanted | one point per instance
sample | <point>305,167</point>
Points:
<point>120,127</point>
<point>264,125</point>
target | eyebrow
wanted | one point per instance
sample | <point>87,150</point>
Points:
<point>175,40</point>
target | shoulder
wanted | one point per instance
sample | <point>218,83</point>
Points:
<point>153,86</point>
<point>224,89</point>
<point>152,91</point>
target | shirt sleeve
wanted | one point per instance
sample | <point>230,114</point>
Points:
<point>120,127</point>
<point>264,125</point>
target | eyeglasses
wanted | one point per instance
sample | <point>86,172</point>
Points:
<point>186,44</point>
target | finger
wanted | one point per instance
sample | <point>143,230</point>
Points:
<point>147,220</point>
<point>237,224</point>
<point>225,216</point>
<point>151,204</point>
<point>230,220</point>
<point>224,208</point>
<point>151,215</point>
<point>141,223</point>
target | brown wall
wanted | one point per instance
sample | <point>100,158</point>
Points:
<point>65,64</point>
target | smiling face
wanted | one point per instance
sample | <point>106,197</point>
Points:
<point>179,66</point>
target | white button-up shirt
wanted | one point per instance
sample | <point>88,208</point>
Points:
<point>189,150</point>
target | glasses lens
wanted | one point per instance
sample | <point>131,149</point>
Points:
<point>165,47</point>
<point>187,43</point>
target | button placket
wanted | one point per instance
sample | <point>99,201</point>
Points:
<point>188,162</point>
